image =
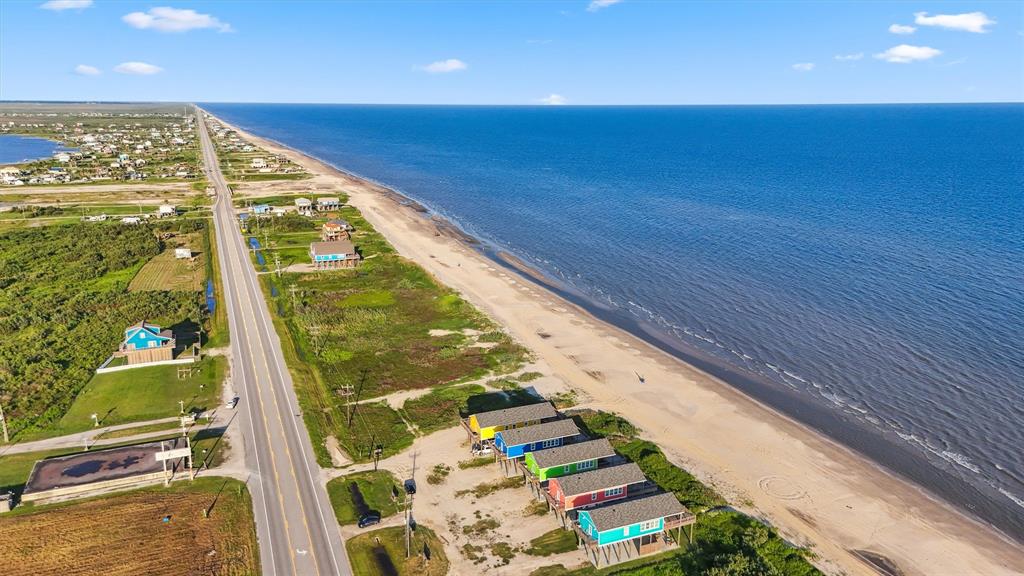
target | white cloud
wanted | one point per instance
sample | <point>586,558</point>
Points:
<point>849,57</point>
<point>804,66</point>
<point>970,22</point>
<point>553,100</point>
<point>165,19</point>
<point>86,70</point>
<point>901,29</point>
<point>58,5</point>
<point>445,66</point>
<point>905,53</point>
<point>596,5</point>
<point>137,68</point>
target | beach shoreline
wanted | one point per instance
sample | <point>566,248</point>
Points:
<point>815,490</point>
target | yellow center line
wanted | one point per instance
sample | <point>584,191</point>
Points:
<point>277,409</point>
<point>277,479</point>
<point>266,425</point>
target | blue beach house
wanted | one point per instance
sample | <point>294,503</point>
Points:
<point>631,528</point>
<point>517,442</point>
<point>145,342</point>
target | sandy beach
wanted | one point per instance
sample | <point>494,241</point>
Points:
<point>857,517</point>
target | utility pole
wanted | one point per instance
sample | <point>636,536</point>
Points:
<point>277,264</point>
<point>181,404</point>
<point>293,288</point>
<point>346,392</point>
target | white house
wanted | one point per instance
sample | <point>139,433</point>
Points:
<point>304,206</point>
<point>130,220</point>
<point>167,210</point>
<point>182,252</point>
<point>62,157</point>
<point>258,163</point>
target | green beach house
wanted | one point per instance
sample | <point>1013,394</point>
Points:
<point>568,459</point>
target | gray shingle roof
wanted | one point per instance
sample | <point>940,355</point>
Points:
<point>601,479</point>
<point>332,247</point>
<point>517,415</point>
<point>540,432</point>
<point>570,453</point>
<point>629,512</point>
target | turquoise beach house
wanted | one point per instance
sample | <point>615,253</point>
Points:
<point>631,528</point>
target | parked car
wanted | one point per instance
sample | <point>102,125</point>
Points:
<point>482,450</point>
<point>369,520</point>
<point>410,486</point>
<point>232,403</point>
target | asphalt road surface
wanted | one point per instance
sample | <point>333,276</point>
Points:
<point>296,528</point>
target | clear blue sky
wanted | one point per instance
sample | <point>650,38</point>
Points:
<point>577,52</point>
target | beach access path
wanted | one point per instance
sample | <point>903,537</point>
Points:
<point>295,525</point>
<point>816,492</point>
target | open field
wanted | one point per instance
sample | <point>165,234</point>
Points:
<point>124,534</point>
<point>387,558</point>
<point>166,272</point>
<point>381,492</point>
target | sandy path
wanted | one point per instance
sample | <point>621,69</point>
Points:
<point>816,492</point>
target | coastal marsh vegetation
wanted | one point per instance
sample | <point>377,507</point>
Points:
<point>64,304</point>
<point>384,327</point>
<point>380,491</point>
<point>114,534</point>
<point>382,553</point>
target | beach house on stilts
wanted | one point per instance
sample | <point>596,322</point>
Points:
<point>628,529</point>
<point>481,427</point>
<point>512,445</point>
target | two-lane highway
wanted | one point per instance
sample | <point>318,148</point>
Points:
<point>297,531</point>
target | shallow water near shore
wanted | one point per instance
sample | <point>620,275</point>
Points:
<point>857,267</point>
<point>17,149</point>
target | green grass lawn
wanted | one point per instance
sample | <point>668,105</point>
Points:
<point>556,541</point>
<point>372,559</point>
<point>377,489</point>
<point>141,394</point>
<point>15,468</point>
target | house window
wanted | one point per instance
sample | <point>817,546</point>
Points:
<point>550,443</point>
<point>587,465</point>
<point>649,525</point>
<point>613,491</point>
<point>151,344</point>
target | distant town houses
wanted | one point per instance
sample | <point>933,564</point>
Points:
<point>107,151</point>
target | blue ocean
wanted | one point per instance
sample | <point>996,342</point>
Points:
<point>859,267</point>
